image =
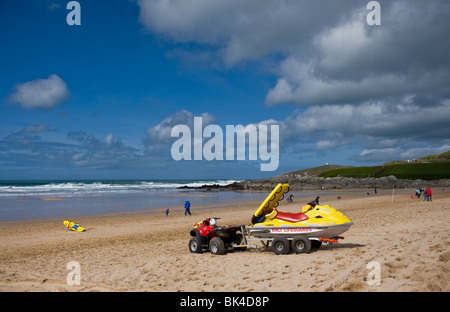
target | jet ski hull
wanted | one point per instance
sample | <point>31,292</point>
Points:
<point>315,221</point>
<point>310,231</point>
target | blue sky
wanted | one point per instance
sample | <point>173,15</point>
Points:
<point>98,100</point>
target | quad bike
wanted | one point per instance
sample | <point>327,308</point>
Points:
<point>207,235</point>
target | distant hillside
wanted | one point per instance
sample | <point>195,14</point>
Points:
<point>433,167</point>
<point>315,171</point>
<point>415,171</point>
<point>443,157</point>
<point>438,158</point>
<point>430,171</point>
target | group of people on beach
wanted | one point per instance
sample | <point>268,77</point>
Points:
<point>419,191</point>
<point>187,209</point>
<point>426,194</point>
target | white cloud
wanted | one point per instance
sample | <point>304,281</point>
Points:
<point>325,51</point>
<point>326,144</point>
<point>35,128</point>
<point>109,138</point>
<point>380,88</point>
<point>381,130</point>
<point>92,151</point>
<point>40,93</point>
<point>302,85</point>
<point>376,119</point>
<point>159,138</point>
<point>241,30</point>
<point>400,153</point>
<point>352,63</point>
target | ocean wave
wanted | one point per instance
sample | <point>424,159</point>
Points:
<point>69,188</point>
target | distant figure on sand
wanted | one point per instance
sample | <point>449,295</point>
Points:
<point>429,194</point>
<point>418,192</point>
<point>290,199</point>
<point>187,208</point>
<point>167,212</point>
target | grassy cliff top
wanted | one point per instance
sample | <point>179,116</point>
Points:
<point>432,167</point>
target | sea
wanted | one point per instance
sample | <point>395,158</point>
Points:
<point>22,200</point>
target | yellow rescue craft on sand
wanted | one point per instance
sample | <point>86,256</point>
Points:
<point>73,226</point>
<point>300,231</point>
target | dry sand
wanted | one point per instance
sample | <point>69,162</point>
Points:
<point>149,252</point>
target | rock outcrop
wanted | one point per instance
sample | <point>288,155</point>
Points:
<point>299,182</point>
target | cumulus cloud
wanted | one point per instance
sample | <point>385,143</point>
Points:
<point>400,153</point>
<point>159,137</point>
<point>25,137</point>
<point>325,51</point>
<point>382,88</point>
<point>353,62</point>
<point>40,93</point>
<point>34,149</point>
<point>241,30</point>
<point>405,119</point>
<point>381,130</point>
<point>101,153</point>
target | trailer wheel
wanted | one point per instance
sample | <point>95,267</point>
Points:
<point>280,246</point>
<point>301,244</point>
<point>217,246</point>
<point>194,245</point>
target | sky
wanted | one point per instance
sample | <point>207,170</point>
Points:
<point>99,100</point>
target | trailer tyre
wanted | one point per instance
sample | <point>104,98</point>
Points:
<point>301,244</point>
<point>280,246</point>
<point>217,246</point>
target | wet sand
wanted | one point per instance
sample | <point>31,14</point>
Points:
<point>407,240</point>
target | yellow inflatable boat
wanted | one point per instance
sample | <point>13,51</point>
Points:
<point>73,226</point>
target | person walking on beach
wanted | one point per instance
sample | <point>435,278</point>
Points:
<point>429,194</point>
<point>187,208</point>
<point>167,212</point>
<point>418,192</point>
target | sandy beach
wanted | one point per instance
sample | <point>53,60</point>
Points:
<point>142,251</point>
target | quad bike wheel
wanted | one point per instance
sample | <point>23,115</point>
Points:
<point>280,246</point>
<point>217,246</point>
<point>194,245</point>
<point>301,244</point>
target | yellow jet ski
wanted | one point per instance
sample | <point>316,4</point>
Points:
<point>300,231</point>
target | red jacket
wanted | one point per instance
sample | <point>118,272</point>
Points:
<point>428,192</point>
